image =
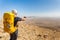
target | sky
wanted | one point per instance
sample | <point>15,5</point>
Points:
<point>41,8</point>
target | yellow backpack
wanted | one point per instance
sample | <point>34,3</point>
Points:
<point>8,20</point>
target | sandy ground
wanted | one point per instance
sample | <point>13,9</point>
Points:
<point>31,32</point>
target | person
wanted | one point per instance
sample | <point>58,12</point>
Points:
<point>14,35</point>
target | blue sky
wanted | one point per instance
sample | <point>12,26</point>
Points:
<point>42,8</point>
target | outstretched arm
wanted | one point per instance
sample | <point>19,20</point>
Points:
<point>21,19</point>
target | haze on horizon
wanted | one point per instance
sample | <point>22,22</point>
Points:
<point>41,8</point>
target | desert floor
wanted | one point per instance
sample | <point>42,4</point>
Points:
<point>35,29</point>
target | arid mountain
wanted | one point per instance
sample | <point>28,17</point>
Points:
<point>35,29</point>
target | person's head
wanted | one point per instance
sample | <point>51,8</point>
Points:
<point>14,12</point>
